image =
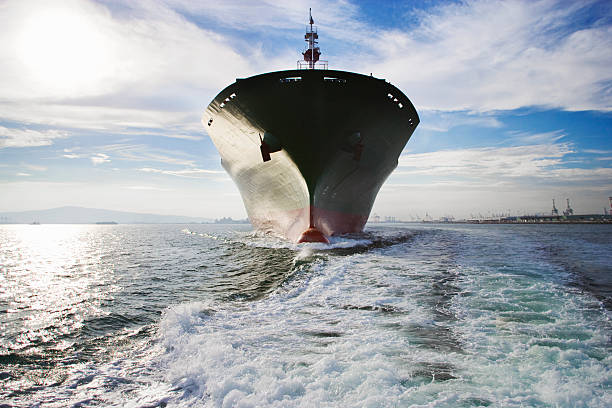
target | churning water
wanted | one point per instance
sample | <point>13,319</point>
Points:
<point>216,316</point>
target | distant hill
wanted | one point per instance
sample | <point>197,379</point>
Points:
<point>81,215</point>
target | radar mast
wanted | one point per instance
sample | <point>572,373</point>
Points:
<point>312,52</point>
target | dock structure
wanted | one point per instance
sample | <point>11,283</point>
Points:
<point>548,219</point>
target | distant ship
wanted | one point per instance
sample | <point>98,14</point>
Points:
<point>310,148</point>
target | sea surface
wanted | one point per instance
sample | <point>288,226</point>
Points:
<point>414,315</point>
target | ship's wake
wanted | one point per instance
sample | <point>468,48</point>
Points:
<point>350,244</point>
<point>346,244</point>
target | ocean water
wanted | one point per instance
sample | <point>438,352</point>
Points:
<point>221,316</point>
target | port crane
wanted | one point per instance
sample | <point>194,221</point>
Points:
<point>554,209</point>
<point>569,210</point>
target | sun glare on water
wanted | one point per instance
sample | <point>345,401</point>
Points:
<point>64,51</point>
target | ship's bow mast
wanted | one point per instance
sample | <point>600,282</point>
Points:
<point>312,52</point>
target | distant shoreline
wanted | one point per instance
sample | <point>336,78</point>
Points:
<point>484,222</point>
<point>464,222</point>
<point>235,222</point>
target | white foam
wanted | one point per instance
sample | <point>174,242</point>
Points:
<point>308,344</point>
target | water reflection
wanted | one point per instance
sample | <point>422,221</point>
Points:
<point>51,281</point>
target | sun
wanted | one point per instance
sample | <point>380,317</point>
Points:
<point>64,51</point>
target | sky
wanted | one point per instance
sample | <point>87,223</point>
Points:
<point>101,101</point>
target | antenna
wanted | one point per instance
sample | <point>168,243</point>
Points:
<point>312,52</point>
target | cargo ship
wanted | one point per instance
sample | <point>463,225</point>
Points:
<point>310,148</point>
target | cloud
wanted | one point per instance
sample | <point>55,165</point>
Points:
<point>148,188</point>
<point>450,184</point>
<point>147,49</point>
<point>35,167</point>
<point>581,175</point>
<point>100,158</point>
<point>496,55</point>
<point>12,137</point>
<point>152,68</point>
<point>544,137</point>
<point>441,185</point>
<point>597,151</point>
<point>157,64</point>
<point>131,152</point>
<point>188,173</point>
<point>488,167</point>
<point>271,15</point>
<point>478,55</point>
<point>487,162</point>
<point>144,153</point>
<point>441,121</point>
<point>23,174</point>
<point>123,120</point>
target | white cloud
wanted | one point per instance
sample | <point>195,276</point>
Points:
<point>597,151</point>
<point>100,158</point>
<point>143,153</point>
<point>477,55</point>
<point>152,67</point>
<point>267,15</point>
<point>156,69</point>
<point>11,137</point>
<point>146,51</point>
<point>463,199</point>
<point>533,138</point>
<point>441,121</point>
<point>103,118</point>
<point>188,173</point>
<point>34,167</point>
<point>487,163</point>
<point>148,188</point>
<point>522,179</point>
<point>579,174</point>
<point>23,174</point>
<point>132,152</point>
<point>491,55</point>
